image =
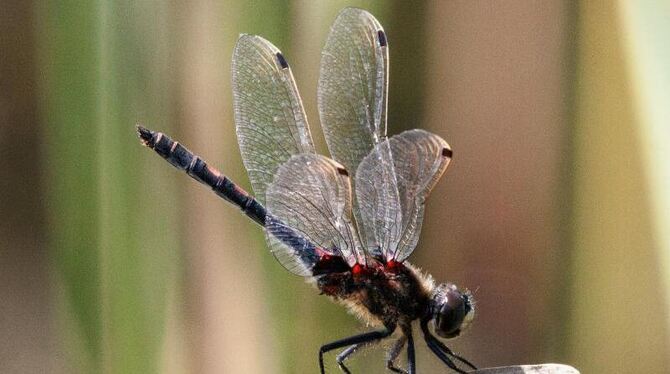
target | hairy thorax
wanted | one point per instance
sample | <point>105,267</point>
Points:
<point>381,295</point>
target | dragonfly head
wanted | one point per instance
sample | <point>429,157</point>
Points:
<point>452,311</point>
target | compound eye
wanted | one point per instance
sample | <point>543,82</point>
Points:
<point>450,314</point>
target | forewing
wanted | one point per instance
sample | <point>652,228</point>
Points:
<point>353,87</point>
<point>269,116</point>
<point>419,160</point>
<point>310,199</point>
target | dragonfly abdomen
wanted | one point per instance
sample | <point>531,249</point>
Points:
<point>183,159</point>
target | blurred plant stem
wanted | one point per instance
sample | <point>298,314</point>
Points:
<point>113,240</point>
<point>70,86</point>
<point>615,249</point>
<point>646,34</point>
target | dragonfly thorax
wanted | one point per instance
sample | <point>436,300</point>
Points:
<point>381,296</point>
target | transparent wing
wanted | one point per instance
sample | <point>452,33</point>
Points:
<point>291,248</point>
<point>379,213</point>
<point>269,116</point>
<point>352,88</point>
<point>311,195</point>
<point>419,159</point>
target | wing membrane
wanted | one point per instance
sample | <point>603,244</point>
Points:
<point>311,196</point>
<point>419,159</point>
<point>353,86</point>
<point>269,116</point>
<point>379,210</point>
<point>291,248</point>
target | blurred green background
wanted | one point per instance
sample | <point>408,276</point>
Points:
<point>556,209</point>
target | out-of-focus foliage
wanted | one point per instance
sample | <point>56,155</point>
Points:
<point>113,240</point>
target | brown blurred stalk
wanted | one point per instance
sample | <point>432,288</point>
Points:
<point>26,309</point>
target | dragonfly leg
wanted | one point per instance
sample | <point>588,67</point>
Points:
<point>355,340</point>
<point>443,357</point>
<point>411,358</point>
<point>442,351</point>
<point>448,351</point>
<point>393,354</point>
<point>344,355</point>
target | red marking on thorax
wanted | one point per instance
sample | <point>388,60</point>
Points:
<point>393,266</point>
<point>357,269</point>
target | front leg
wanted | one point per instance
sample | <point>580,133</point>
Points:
<point>366,338</point>
<point>442,351</point>
<point>448,351</point>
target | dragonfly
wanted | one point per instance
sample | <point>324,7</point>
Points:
<point>347,223</point>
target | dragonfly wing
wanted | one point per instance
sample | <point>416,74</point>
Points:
<point>269,116</point>
<point>291,247</point>
<point>419,159</point>
<point>310,199</point>
<point>353,86</point>
<point>352,97</point>
<point>379,210</point>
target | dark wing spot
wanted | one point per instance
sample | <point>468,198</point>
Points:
<point>282,61</point>
<point>446,152</point>
<point>381,36</point>
<point>343,171</point>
